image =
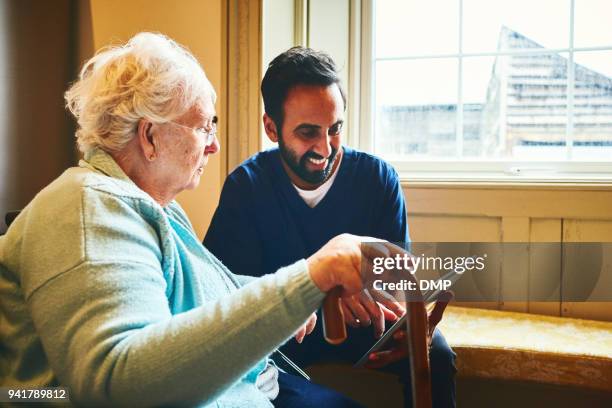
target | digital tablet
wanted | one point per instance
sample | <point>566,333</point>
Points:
<point>429,297</point>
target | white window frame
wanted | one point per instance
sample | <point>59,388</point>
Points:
<point>500,171</point>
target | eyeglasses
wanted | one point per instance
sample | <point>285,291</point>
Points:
<point>209,135</point>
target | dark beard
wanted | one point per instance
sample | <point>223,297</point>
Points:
<point>299,167</point>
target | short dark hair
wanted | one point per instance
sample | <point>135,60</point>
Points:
<point>296,66</point>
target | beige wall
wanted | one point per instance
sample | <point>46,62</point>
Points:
<point>36,133</point>
<point>196,24</point>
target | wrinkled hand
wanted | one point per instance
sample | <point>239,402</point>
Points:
<point>362,310</point>
<point>306,329</point>
<point>343,260</point>
<point>399,348</point>
<point>338,263</point>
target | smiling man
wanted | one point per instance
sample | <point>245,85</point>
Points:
<point>282,204</point>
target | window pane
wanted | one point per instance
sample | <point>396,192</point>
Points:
<point>416,108</point>
<point>592,136</point>
<point>479,137</point>
<point>515,107</point>
<point>592,23</point>
<point>541,23</point>
<point>409,27</point>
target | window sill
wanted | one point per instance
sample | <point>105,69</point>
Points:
<point>506,174</point>
<point>503,181</point>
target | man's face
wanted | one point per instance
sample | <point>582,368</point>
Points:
<point>311,132</point>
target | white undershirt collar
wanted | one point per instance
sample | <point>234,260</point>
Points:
<point>314,197</point>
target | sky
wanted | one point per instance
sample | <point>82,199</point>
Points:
<point>430,27</point>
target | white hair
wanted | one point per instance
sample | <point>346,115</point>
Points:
<point>151,77</point>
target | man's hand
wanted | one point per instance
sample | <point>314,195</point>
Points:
<point>361,310</point>
<point>341,263</point>
<point>399,349</point>
<point>307,328</point>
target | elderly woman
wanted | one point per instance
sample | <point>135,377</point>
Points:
<point>105,287</point>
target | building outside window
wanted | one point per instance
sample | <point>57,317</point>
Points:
<point>504,87</point>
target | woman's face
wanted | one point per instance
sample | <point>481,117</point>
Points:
<point>185,152</point>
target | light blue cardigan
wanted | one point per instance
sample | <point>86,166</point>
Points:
<point>105,291</point>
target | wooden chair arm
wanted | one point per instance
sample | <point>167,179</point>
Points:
<point>418,355</point>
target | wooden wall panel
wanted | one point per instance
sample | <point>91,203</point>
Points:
<point>515,264</point>
<point>442,228</point>
<point>544,277</point>
<point>543,214</point>
<point>587,270</point>
<point>511,201</point>
<point>431,228</point>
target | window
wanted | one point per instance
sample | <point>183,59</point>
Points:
<point>496,89</point>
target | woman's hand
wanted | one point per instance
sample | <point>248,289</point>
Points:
<point>307,328</point>
<point>361,310</point>
<point>338,263</point>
